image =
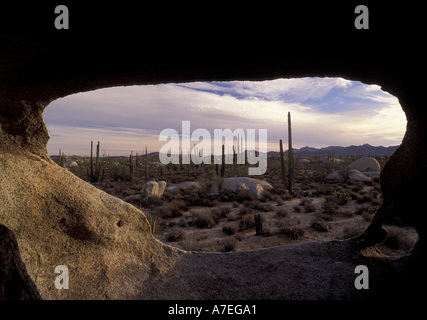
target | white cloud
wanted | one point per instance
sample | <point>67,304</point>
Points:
<point>325,111</point>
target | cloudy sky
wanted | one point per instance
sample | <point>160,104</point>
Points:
<point>325,111</point>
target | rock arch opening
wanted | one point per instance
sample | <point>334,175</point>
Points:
<point>335,122</point>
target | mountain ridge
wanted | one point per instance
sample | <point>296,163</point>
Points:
<point>365,149</point>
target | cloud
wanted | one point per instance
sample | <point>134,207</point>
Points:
<point>325,111</point>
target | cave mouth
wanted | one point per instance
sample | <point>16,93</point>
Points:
<point>325,112</point>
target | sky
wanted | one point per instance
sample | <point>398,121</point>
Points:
<point>324,111</point>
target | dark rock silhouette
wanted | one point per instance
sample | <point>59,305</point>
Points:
<point>15,283</point>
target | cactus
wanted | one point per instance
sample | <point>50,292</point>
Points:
<point>152,223</point>
<point>223,162</point>
<point>61,158</point>
<point>258,224</point>
<point>131,165</point>
<point>146,164</point>
<point>290,156</point>
<point>282,163</point>
<point>94,175</point>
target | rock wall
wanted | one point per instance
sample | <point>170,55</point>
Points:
<point>59,219</point>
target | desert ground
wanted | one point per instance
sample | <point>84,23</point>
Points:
<point>203,219</point>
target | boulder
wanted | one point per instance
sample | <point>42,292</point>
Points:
<point>155,189</point>
<point>183,185</point>
<point>336,175</point>
<point>348,174</point>
<point>70,164</point>
<point>151,188</point>
<point>253,186</point>
<point>162,187</point>
<point>357,175</point>
<point>365,164</point>
<point>372,174</point>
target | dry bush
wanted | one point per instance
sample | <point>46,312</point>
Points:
<point>247,222</point>
<point>228,244</point>
<point>281,212</point>
<point>177,207</point>
<point>308,205</point>
<point>244,195</point>
<point>231,228</point>
<point>320,226</point>
<point>163,212</point>
<point>329,207</point>
<point>203,219</point>
<point>175,234</point>
<point>245,211</point>
<point>291,228</point>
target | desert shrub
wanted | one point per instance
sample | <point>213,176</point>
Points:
<point>308,205</point>
<point>324,189</point>
<point>280,201</point>
<point>177,207</point>
<point>163,212</point>
<point>340,198</point>
<point>225,211</point>
<point>281,212</point>
<point>228,244</point>
<point>168,196</point>
<point>320,226</point>
<point>216,214</point>
<point>267,195</point>
<point>203,198</point>
<point>247,222</point>
<point>210,181</point>
<point>290,227</point>
<point>361,198</point>
<point>203,220</point>
<point>150,202</point>
<point>265,207</point>
<point>293,232</point>
<point>244,195</point>
<point>175,234</point>
<point>121,173</point>
<point>329,207</point>
<point>245,211</point>
<point>231,228</point>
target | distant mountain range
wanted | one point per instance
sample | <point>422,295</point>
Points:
<point>365,149</point>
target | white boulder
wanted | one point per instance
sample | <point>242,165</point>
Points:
<point>154,189</point>
<point>183,185</point>
<point>254,186</point>
<point>69,164</point>
<point>365,164</point>
<point>348,174</point>
<point>357,175</point>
